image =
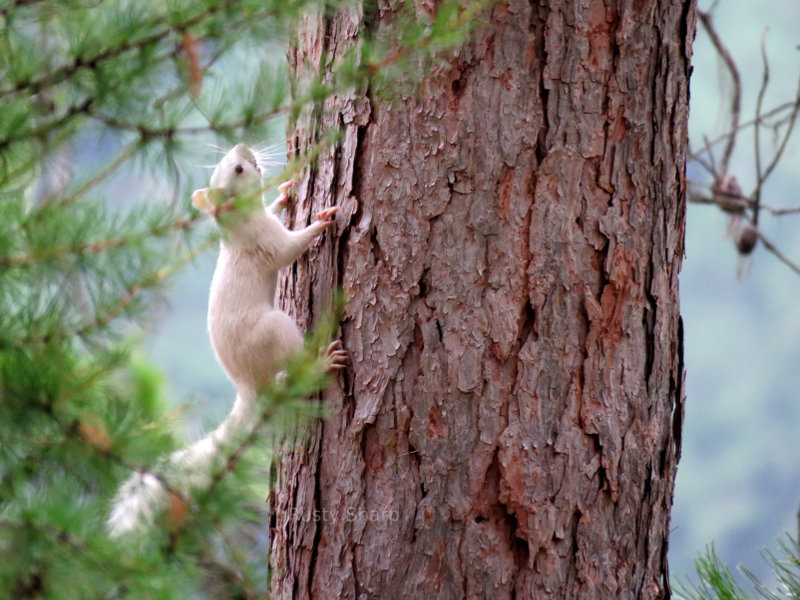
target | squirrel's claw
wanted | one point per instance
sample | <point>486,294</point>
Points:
<point>327,215</point>
<point>336,356</point>
<point>284,199</point>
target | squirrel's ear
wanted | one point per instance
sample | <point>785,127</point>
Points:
<point>201,201</point>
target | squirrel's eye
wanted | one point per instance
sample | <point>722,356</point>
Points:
<point>238,169</point>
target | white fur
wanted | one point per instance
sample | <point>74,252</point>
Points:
<point>250,337</point>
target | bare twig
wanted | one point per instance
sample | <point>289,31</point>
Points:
<point>696,198</point>
<point>792,120</point>
<point>759,103</point>
<point>711,160</point>
<point>770,113</point>
<point>780,255</point>
<point>746,202</point>
<point>729,200</point>
<point>724,190</point>
<point>702,162</point>
<point>736,100</point>
<point>781,211</point>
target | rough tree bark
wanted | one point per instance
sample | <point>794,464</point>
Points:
<point>511,238</point>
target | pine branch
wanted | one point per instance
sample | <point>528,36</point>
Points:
<point>104,317</point>
<point>96,247</point>
<point>92,61</point>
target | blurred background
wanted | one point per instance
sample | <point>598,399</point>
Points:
<point>739,477</point>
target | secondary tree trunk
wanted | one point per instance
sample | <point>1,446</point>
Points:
<point>511,237</point>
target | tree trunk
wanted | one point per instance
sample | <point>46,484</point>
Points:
<point>510,237</point>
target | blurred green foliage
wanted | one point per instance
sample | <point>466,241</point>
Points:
<point>717,582</point>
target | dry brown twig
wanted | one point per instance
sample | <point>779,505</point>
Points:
<point>736,98</point>
<point>724,190</point>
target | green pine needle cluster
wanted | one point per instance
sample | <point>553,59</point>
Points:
<point>717,582</point>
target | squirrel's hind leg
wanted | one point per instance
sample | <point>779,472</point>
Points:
<point>276,340</point>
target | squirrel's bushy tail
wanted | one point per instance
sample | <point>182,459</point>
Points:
<point>143,496</point>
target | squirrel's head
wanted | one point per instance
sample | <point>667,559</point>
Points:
<point>236,179</point>
<point>237,171</point>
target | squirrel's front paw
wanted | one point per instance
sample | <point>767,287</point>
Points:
<point>284,200</point>
<point>327,216</point>
<point>336,356</point>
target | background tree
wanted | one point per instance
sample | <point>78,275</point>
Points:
<point>513,232</point>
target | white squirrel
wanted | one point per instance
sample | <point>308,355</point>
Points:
<point>251,338</point>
